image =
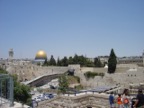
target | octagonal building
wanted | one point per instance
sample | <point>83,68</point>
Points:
<point>41,55</point>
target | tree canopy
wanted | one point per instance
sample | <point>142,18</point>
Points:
<point>52,61</point>
<point>65,61</point>
<point>63,83</point>
<point>97,62</point>
<point>21,91</point>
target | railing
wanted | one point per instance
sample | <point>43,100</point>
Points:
<point>6,89</point>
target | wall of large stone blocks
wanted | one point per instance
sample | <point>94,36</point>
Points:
<point>124,75</point>
<point>130,76</point>
<point>29,71</point>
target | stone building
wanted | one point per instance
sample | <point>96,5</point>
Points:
<point>131,60</point>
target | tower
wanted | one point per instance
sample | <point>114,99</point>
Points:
<point>11,53</point>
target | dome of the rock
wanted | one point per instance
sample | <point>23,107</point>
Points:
<point>41,55</point>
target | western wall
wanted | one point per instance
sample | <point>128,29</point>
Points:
<point>125,73</point>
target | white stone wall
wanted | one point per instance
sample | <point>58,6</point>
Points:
<point>125,74</point>
<point>124,78</point>
<point>30,71</point>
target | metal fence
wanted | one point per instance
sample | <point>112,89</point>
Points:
<point>6,89</point>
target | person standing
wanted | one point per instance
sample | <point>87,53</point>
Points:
<point>119,101</point>
<point>139,103</point>
<point>111,100</point>
<point>125,98</point>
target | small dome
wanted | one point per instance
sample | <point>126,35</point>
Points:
<point>106,66</point>
<point>41,55</point>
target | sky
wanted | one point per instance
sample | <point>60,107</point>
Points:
<point>68,27</point>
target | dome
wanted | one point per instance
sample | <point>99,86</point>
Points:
<point>41,55</point>
<point>106,66</point>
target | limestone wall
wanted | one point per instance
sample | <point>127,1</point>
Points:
<point>28,71</point>
<point>83,101</point>
<point>125,74</point>
<point>127,66</point>
<point>124,78</point>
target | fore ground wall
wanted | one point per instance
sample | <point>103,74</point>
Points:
<point>83,101</point>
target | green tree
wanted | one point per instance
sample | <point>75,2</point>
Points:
<point>45,62</point>
<point>82,60</point>
<point>89,63</point>
<point>75,59</point>
<point>58,62</point>
<point>63,84</point>
<point>52,61</point>
<point>2,71</point>
<point>112,62</point>
<point>64,61</point>
<point>70,60</point>
<point>21,92</point>
<point>97,62</point>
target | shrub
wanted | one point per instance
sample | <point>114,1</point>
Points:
<point>78,79</point>
<point>92,74</point>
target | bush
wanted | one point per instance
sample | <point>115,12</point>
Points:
<point>78,79</point>
<point>101,74</point>
<point>79,87</point>
<point>63,84</point>
<point>2,71</point>
<point>92,74</point>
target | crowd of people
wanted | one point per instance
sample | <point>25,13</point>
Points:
<point>124,100</point>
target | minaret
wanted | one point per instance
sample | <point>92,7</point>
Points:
<point>11,53</point>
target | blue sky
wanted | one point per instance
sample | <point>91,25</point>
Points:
<point>68,27</point>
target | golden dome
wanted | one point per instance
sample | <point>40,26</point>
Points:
<point>41,55</point>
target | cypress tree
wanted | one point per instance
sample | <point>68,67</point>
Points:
<point>52,61</point>
<point>58,62</point>
<point>112,62</point>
